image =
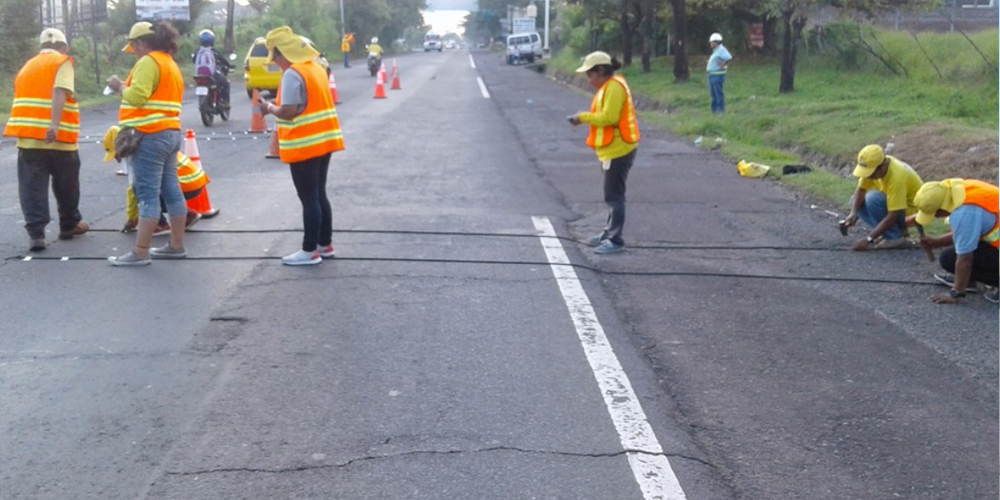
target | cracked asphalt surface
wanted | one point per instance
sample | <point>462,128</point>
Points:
<point>393,373</point>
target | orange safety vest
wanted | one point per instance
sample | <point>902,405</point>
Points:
<point>316,131</point>
<point>987,197</point>
<point>163,109</point>
<point>31,114</point>
<point>628,126</point>
<point>191,176</point>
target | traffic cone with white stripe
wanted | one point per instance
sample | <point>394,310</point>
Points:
<point>395,77</point>
<point>274,150</point>
<point>380,87</point>
<point>257,123</point>
<point>200,203</point>
<point>333,89</point>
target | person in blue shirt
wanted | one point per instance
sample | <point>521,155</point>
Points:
<point>718,63</point>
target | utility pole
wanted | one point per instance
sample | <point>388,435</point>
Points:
<point>227,44</point>
<point>545,49</point>
<point>343,27</point>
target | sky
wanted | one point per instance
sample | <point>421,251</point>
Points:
<point>445,21</point>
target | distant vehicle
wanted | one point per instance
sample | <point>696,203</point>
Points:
<point>450,44</point>
<point>524,47</point>
<point>265,77</point>
<point>433,42</point>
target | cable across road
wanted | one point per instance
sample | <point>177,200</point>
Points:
<point>585,267</point>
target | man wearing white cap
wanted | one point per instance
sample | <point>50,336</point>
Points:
<point>45,119</point>
<point>883,198</point>
<point>718,63</point>
<point>974,217</point>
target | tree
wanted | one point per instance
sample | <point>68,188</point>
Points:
<point>19,28</point>
<point>681,69</point>
<point>648,14</point>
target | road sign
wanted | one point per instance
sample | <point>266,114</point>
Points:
<point>524,24</point>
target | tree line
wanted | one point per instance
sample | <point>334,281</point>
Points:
<point>679,27</point>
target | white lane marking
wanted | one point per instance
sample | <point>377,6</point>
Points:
<point>482,88</point>
<point>650,467</point>
<point>472,62</point>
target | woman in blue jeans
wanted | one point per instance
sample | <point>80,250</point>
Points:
<point>151,103</point>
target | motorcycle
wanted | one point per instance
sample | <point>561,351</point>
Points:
<point>374,63</point>
<point>209,103</point>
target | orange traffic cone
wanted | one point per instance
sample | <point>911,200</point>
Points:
<point>395,76</point>
<point>191,148</point>
<point>200,203</point>
<point>203,205</point>
<point>379,87</point>
<point>257,123</point>
<point>274,151</point>
<point>333,89</point>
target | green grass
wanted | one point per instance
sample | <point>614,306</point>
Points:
<point>833,112</point>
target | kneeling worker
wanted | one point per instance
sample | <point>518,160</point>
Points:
<point>971,208</point>
<point>883,198</point>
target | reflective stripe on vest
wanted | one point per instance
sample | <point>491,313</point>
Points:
<point>987,197</point>
<point>31,113</point>
<point>163,109</point>
<point>191,176</point>
<point>316,131</point>
<point>627,126</point>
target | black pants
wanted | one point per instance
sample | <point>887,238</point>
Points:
<point>985,263</point>
<point>35,167</point>
<point>614,197</point>
<point>222,83</point>
<point>317,217</point>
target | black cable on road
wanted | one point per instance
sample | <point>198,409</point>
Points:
<point>531,263</point>
<point>511,235</point>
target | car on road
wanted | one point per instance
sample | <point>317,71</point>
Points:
<point>264,77</point>
<point>432,41</point>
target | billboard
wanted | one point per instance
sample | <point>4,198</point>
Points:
<point>167,10</point>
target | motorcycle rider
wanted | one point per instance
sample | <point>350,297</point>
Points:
<point>374,49</point>
<point>209,62</point>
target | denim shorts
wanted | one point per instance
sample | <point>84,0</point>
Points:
<point>154,165</point>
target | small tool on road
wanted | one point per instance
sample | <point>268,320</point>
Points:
<point>927,251</point>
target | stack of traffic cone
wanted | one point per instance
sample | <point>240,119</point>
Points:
<point>380,87</point>
<point>395,76</point>
<point>257,123</point>
<point>274,150</point>
<point>333,89</point>
<point>200,203</point>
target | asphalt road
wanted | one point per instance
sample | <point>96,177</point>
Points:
<point>441,355</point>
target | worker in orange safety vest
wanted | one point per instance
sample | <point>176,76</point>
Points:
<point>45,119</point>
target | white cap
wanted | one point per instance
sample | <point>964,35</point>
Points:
<point>374,39</point>
<point>716,37</point>
<point>51,35</point>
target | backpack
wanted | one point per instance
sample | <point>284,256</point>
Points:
<point>204,62</point>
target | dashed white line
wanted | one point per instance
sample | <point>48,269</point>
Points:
<point>482,87</point>
<point>650,467</point>
<point>472,62</point>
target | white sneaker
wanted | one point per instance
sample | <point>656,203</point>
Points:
<point>327,251</point>
<point>302,258</point>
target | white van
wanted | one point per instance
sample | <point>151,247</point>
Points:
<point>524,47</point>
<point>432,41</point>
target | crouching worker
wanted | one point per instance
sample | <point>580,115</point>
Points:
<point>193,181</point>
<point>883,199</point>
<point>972,255</point>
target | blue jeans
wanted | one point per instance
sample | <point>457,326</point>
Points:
<point>874,209</point>
<point>154,164</point>
<point>715,84</point>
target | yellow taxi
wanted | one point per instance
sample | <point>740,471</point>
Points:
<point>264,77</point>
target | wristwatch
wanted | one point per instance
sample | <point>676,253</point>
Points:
<point>869,239</point>
<point>955,294</point>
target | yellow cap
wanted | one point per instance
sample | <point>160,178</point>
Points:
<point>870,157</point>
<point>109,143</point>
<point>933,196</point>
<point>51,35</point>
<point>139,29</point>
<point>293,47</point>
<point>594,59</point>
